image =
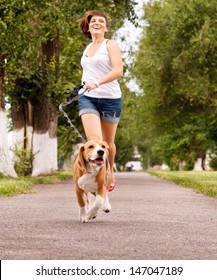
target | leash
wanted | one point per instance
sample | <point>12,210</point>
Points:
<point>73,96</point>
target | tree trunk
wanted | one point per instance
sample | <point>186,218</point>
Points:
<point>45,117</point>
<point>44,137</point>
<point>35,120</point>
<point>6,165</point>
<point>19,125</point>
<point>199,164</point>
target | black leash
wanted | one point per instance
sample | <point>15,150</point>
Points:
<point>73,96</point>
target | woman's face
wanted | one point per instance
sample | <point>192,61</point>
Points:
<point>98,25</point>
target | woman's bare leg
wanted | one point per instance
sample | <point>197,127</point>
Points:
<point>108,134</point>
<point>95,129</point>
<point>92,126</point>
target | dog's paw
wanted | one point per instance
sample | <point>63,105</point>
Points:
<point>83,215</point>
<point>107,210</point>
<point>107,206</point>
<point>91,214</point>
<point>84,219</point>
<point>93,210</point>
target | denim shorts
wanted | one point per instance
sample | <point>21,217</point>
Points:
<point>108,110</point>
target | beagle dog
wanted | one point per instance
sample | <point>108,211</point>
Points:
<point>91,174</point>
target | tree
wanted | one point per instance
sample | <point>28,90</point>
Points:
<point>6,166</point>
<point>43,60</point>
<point>176,68</point>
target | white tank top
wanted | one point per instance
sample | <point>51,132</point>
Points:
<point>97,66</point>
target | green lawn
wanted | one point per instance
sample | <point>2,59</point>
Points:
<point>204,182</point>
<point>11,186</point>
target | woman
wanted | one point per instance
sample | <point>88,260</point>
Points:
<point>100,106</point>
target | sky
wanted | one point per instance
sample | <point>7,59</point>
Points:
<point>128,39</point>
<point>128,36</point>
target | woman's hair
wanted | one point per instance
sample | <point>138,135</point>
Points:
<point>85,20</point>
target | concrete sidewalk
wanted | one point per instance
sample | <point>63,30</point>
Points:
<point>150,219</point>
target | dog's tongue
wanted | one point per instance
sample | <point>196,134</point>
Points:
<point>98,161</point>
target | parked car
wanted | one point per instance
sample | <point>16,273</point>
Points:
<point>134,165</point>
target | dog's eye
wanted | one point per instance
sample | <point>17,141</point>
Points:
<point>103,146</point>
<point>90,147</point>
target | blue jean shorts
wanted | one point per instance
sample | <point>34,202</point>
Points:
<point>109,110</point>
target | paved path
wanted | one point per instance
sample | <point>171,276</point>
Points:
<point>150,219</point>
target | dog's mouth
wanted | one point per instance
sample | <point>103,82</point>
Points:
<point>97,161</point>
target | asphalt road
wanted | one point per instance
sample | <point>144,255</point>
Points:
<point>151,219</point>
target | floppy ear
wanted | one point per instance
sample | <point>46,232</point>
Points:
<point>106,146</point>
<point>81,163</point>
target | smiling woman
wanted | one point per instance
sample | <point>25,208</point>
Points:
<point>100,106</point>
<point>88,17</point>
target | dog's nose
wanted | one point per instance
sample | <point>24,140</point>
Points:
<point>100,153</point>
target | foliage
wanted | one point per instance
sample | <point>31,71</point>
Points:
<point>125,137</point>
<point>23,161</point>
<point>176,68</point>
<point>36,23</point>
<point>213,163</point>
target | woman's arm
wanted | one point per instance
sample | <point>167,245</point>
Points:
<point>116,62</point>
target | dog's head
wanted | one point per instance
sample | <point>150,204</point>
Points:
<point>93,153</point>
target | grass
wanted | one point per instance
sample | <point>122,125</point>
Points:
<point>22,185</point>
<point>204,182</point>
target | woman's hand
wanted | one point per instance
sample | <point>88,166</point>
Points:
<point>89,86</point>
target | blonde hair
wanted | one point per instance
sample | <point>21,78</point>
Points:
<point>85,20</point>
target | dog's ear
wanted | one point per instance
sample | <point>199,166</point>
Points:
<point>81,162</point>
<point>107,147</point>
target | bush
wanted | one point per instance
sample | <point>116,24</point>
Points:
<point>213,163</point>
<point>23,161</point>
